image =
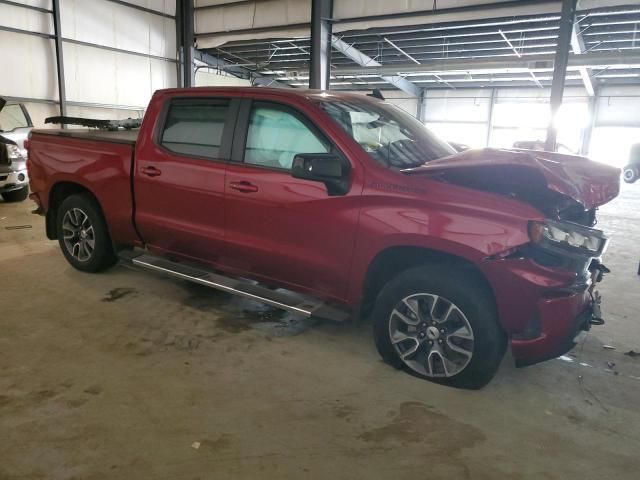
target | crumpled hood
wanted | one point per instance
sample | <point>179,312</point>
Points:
<point>526,171</point>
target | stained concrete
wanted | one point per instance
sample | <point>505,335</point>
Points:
<point>127,375</point>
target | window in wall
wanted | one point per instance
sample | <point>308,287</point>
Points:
<point>612,145</point>
<point>522,120</point>
<point>12,117</point>
<point>275,136</point>
<point>472,134</point>
<point>195,127</point>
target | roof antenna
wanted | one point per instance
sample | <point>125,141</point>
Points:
<point>376,94</point>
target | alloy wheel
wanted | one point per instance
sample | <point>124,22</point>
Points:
<point>78,234</point>
<point>431,335</point>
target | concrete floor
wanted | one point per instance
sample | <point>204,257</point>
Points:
<point>117,375</point>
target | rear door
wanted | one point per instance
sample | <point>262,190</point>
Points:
<point>180,178</point>
<point>278,227</point>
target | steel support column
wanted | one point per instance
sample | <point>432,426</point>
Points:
<point>320,71</point>
<point>492,103</point>
<point>62,90</point>
<point>421,107</point>
<point>588,130</point>
<point>186,39</point>
<point>567,18</point>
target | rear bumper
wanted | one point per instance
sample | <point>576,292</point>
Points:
<point>542,309</point>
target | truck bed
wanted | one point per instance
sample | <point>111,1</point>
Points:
<point>128,137</point>
<point>96,161</point>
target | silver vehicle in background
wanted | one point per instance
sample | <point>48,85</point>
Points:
<point>15,125</point>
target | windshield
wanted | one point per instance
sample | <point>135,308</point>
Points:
<point>390,136</point>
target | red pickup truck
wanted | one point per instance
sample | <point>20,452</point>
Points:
<point>352,205</point>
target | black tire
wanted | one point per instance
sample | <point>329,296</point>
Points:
<point>102,255</point>
<point>16,195</point>
<point>470,297</point>
<point>630,174</point>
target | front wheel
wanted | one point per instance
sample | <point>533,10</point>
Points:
<point>16,195</point>
<point>439,323</point>
<point>630,174</point>
<point>83,235</point>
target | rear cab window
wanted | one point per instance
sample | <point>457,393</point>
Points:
<point>196,127</point>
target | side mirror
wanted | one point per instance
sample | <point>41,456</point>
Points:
<point>328,168</point>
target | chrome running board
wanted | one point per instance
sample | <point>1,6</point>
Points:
<point>285,301</point>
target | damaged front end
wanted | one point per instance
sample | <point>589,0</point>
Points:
<point>564,311</point>
<point>545,290</point>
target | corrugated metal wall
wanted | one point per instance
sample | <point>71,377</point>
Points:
<point>115,56</point>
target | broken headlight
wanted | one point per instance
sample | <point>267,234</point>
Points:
<point>568,237</point>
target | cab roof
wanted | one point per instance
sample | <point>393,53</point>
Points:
<point>310,94</point>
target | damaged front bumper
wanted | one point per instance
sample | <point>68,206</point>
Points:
<point>544,309</point>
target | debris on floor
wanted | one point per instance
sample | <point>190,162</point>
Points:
<point>17,227</point>
<point>195,445</point>
<point>632,354</point>
<point>608,347</point>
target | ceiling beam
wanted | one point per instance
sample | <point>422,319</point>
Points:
<point>366,61</point>
<point>577,45</point>
<point>620,59</point>
<point>238,71</point>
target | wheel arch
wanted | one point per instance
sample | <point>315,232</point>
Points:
<point>57,194</point>
<point>392,261</point>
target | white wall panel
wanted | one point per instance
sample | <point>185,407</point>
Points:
<point>459,93</point>
<point>265,13</point>
<point>118,26</point>
<point>362,8</point>
<point>162,6</point>
<point>163,75</point>
<point>402,100</point>
<point>38,3</point>
<point>28,65</point>
<point>538,93</point>
<point>103,113</point>
<point>205,3</point>
<point>619,110</point>
<point>25,19</point>
<point>39,111</point>
<point>344,9</point>
<point>471,134</point>
<point>468,109</point>
<point>112,78</point>
<point>206,78</point>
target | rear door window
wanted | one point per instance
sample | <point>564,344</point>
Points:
<point>195,127</point>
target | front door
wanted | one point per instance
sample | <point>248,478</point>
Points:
<point>180,177</point>
<point>278,227</point>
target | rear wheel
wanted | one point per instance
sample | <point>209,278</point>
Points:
<point>83,235</point>
<point>438,323</point>
<point>16,195</point>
